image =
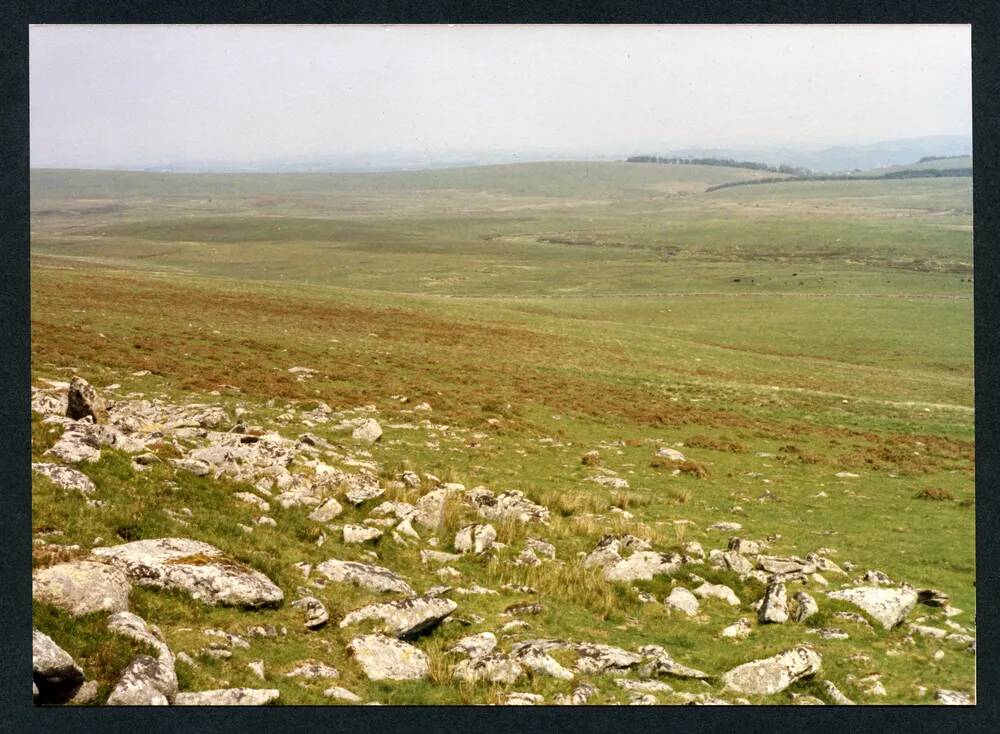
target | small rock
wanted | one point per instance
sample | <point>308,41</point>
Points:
<point>386,658</point>
<point>682,600</point>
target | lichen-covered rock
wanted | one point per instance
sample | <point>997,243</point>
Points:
<point>642,565</point>
<point>82,587</point>
<point>952,698</point>
<point>326,511</point>
<point>83,401</point>
<point>368,430</point>
<point>512,505</point>
<point>475,538</point>
<point>312,670</point>
<point>228,697</point>
<point>888,606</point>
<point>659,662</point>
<point>475,646</point>
<point>682,600</point>
<point>774,605</point>
<point>386,658</point>
<point>540,662</point>
<point>199,569</point>
<point>355,534</point>
<point>740,629</point>
<point>365,575</point>
<point>774,674</point>
<point>406,618</point>
<point>599,658</point>
<point>147,681</point>
<point>54,672</point>
<point>717,591</point>
<point>492,668</point>
<point>806,606</point>
<point>66,477</point>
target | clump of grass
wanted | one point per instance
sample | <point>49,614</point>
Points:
<point>694,468</point>
<point>568,504</point>
<point>934,493</point>
<point>679,496</point>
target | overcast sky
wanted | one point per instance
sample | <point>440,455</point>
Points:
<point>133,95</point>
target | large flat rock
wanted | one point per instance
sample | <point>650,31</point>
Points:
<point>365,575</point>
<point>888,606</point>
<point>774,674</point>
<point>200,569</point>
<point>82,587</point>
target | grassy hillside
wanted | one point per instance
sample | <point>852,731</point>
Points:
<point>777,335</point>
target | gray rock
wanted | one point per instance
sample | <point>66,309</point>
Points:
<point>82,587</point>
<point>642,565</point>
<point>355,534</point>
<point>406,618</point>
<point>326,511</point>
<point>598,658</point>
<point>952,698</point>
<point>367,576</point>
<point>83,401</point>
<point>659,662</point>
<point>580,695</point>
<point>313,610</point>
<point>740,629</point>
<point>475,538</point>
<point>682,600</point>
<point>386,658</point>
<point>834,694</point>
<point>806,606</point>
<point>75,445</point>
<point>717,591</point>
<point>193,466</point>
<point>475,646</point>
<point>774,605</point>
<point>228,697</point>
<point>518,698</point>
<point>492,668</point>
<point>66,477</point>
<point>199,569</point>
<point>369,431</point>
<point>342,694</point>
<point>670,454</point>
<point>312,670</point>
<point>540,662</point>
<point>511,505</point>
<point>54,672</point>
<point>888,606</point>
<point>363,492</point>
<point>774,674</point>
<point>147,681</point>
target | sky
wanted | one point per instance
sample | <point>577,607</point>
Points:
<point>145,95</point>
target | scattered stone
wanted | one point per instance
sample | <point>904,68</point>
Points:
<point>717,591</point>
<point>506,505</point>
<point>599,658</point>
<point>659,662</point>
<point>888,606</point>
<point>228,697</point>
<point>405,619</point>
<point>374,578</point>
<point>774,605</point>
<point>527,607</point>
<point>66,477</point>
<point>83,401</point>
<point>147,681</point>
<point>82,587</point>
<point>492,668</point>
<point>314,612</point>
<point>475,646</point>
<point>312,670</point>
<point>952,698</point>
<point>54,672</point>
<point>774,674</point>
<point>326,511</point>
<point>361,494</point>
<point>682,600</point>
<point>85,694</point>
<point>369,430</point>
<point>806,606</point>
<point>354,534</point>
<point>257,668</point>
<point>580,695</point>
<point>834,694</point>
<point>342,694</point>
<point>194,466</point>
<point>828,633</point>
<point>475,538</point>
<point>386,658</point>
<point>740,629</point>
<point>523,699</point>
<point>540,662</point>
<point>727,527</point>
<point>197,568</point>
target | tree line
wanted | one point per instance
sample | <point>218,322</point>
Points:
<point>725,162</point>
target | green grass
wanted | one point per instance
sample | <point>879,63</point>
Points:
<point>606,306</point>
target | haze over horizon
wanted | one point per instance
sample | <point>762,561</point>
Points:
<point>128,96</point>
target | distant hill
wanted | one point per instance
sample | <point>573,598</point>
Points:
<point>934,163</point>
<point>841,158</point>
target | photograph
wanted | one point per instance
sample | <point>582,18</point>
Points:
<point>526,364</point>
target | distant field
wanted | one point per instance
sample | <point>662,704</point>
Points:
<point>777,334</point>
